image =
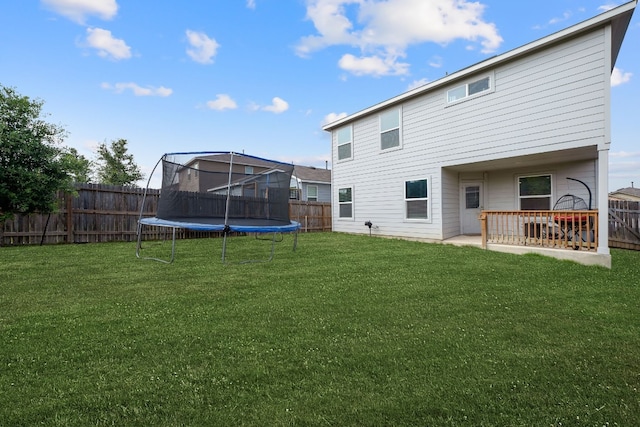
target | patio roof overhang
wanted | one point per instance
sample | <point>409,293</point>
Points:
<point>534,159</point>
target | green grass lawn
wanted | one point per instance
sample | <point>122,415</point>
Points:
<point>346,331</point>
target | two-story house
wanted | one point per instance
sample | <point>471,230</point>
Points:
<point>500,135</point>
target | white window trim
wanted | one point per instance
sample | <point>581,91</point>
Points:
<point>338,144</point>
<point>345,218</point>
<point>429,197</point>
<point>399,146</point>
<point>492,89</point>
<point>529,175</point>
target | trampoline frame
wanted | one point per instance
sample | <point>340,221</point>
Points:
<point>225,229</point>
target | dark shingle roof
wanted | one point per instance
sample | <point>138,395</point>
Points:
<point>312,174</point>
<point>629,191</point>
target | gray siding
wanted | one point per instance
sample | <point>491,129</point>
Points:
<point>324,192</point>
<point>549,100</point>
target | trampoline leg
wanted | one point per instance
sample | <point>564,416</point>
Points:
<point>173,247</point>
<point>224,246</point>
<point>273,246</point>
<point>139,244</point>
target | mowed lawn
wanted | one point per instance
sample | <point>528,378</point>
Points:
<point>346,331</point>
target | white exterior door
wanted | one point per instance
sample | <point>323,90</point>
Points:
<point>471,201</point>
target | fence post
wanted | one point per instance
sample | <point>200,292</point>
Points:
<point>68,201</point>
<point>483,228</point>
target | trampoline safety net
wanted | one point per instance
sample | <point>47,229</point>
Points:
<point>224,188</point>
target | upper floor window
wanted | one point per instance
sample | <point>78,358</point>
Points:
<point>248,170</point>
<point>469,89</point>
<point>345,142</point>
<point>345,202</point>
<point>390,129</point>
<point>416,195</point>
<point>534,192</point>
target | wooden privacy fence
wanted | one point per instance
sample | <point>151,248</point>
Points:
<point>624,224</point>
<point>106,213</point>
<point>313,216</point>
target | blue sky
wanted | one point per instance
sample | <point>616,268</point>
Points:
<point>263,76</point>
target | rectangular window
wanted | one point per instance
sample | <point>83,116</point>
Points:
<point>345,139</point>
<point>416,199</point>
<point>469,89</point>
<point>472,197</point>
<point>534,192</point>
<point>390,129</point>
<point>294,194</point>
<point>312,193</point>
<point>345,201</point>
<point>248,170</point>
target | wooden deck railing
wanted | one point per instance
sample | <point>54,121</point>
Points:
<point>546,229</point>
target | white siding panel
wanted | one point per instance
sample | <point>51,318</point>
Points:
<point>450,204</point>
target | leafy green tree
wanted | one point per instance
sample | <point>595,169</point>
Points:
<point>32,166</point>
<point>79,166</point>
<point>116,166</point>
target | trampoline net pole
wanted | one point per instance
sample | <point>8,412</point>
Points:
<point>226,213</point>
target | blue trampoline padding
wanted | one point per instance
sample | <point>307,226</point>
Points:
<point>286,228</point>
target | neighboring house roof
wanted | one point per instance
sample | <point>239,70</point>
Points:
<point>313,175</point>
<point>629,193</point>
<point>618,17</point>
<point>238,159</point>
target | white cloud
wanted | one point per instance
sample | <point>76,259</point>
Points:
<point>332,117</point>
<point>385,29</point>
<point>278,105</point>
<point>619,77</point>
<point>624,154</point>
<point>436,62</point>
<point>222,102</point>
<point>566,15</point>
<point>251,4</point>
<point>372,65</point>
<point>417,83</point>
<point>624,167</point>
<point>107,45</point>
<point>78,10</point>
<point>608,6</point>
<point>138,90</point>
<point>203,48</point>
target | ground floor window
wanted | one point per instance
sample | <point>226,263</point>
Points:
<point>416,196</point>
<point>312,193</point>
<point>345,201</point>
<point>534,192</point>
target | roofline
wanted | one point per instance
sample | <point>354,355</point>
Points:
<point>308,181</point>
<point>597,21</point>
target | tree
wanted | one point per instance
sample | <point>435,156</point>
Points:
<point>32,166</point>
<point>116,166</point>
<point>79,166</point>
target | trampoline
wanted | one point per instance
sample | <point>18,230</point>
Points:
<point>224,192</point>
